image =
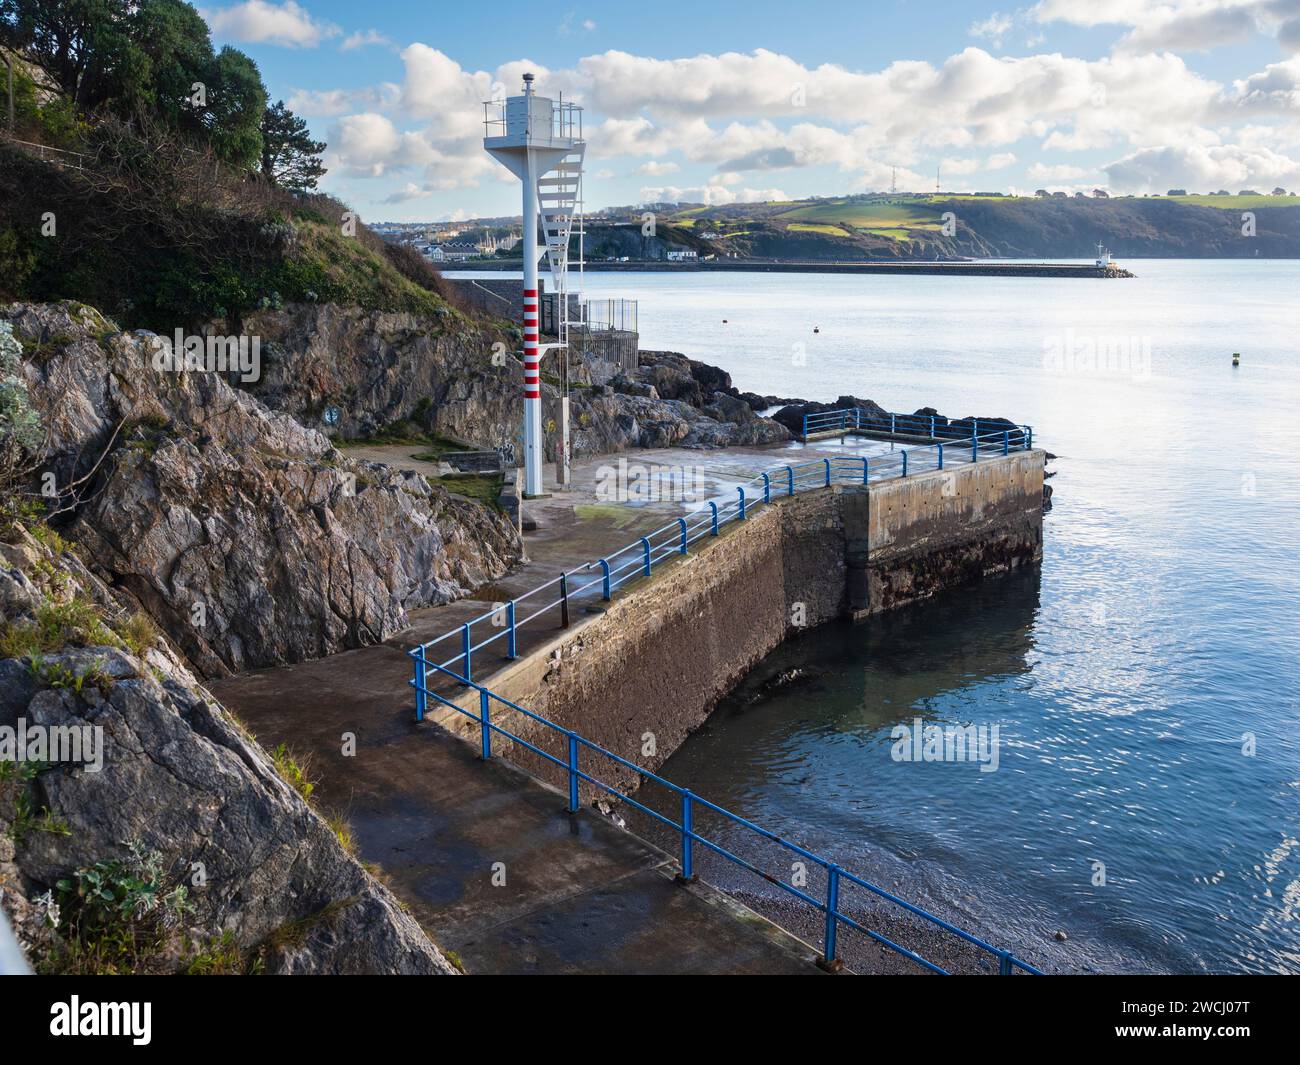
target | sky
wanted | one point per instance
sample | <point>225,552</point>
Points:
<point>721,102</point>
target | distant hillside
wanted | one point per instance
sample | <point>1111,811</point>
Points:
<point>913,227</point>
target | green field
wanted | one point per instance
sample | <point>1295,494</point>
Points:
<point>1229,202</point>
<point>816,227</point>
<point>883,217</point>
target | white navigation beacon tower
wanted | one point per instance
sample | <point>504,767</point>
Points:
<point>540,141</point>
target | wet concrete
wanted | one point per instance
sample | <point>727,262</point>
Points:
<point>579,893</point>
<point>488,860</point>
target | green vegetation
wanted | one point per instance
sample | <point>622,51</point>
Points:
<point>1244,203</point>
<point>883,217</point>
<point>405,431</point>
<point>16,779</point>
<point>185,197</point>
<point>481,487</point>
<point>221,956</point>
<point>76,621</point>
<point>121,915</point>
<point>293,772</point>
<point>828,230</point>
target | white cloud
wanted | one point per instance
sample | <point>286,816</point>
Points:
<point>1203,168</point>
<point>993,28</point>
<point>654,168</point>
<point>264,22</point>
<point>1190,25</point>
<point>364,38</point>
<point>1000,161</point>
<point>714,194</point>
<point>1057,172</point>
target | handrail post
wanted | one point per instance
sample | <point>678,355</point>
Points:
<point>421,679</point>
<point>512,650</point>
<point>857,418</point>
<point>940,445</point>
<point>687,875</point>
<point>828,472</point>
<point>564,600</point>
<point>767,488</point>
<point>604,576</point>
<point>645,543</point>
<point>741,490</point>
<point>866,471</point>
<point>1029,437</point>
<point>713,507</point>
<point>682,523</point>
<point>466,649</point>
<point>1006,441</point>
<point>892,424</point>
<point>828,961</point>
<point>573,772</point>
<point>789,474</point>
<point>931,426</point>
<point>484,723</point>
<point>805,427</point>
<point>1004,963</point>
<point>975,440</point>
<point>904,454</point>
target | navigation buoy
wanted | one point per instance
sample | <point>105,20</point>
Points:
<point>1236,358</point>
<point>816,329</point>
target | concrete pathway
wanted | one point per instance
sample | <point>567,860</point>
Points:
<point>487,858</point>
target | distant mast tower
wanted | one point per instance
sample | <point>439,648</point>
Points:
<point>539,140</point>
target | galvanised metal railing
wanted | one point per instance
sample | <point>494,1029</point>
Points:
<point>836,876</point>
<point>638,559</point>
<point>923,426</point>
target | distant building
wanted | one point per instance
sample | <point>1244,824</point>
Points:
<point>682,255</point>
<point>451,251</point>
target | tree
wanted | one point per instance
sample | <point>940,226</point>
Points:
<point>290,158</point>
<point>143,59</point>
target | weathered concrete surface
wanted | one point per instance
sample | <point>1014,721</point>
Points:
<point>930,531</point>
<point>578,893</point>
<point>638,678</point>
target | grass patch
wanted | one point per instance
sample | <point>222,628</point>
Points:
<point>57,625</point>
<point>138,632</point>
<point>481,487</point>
<point>815,227</point>
<point>293,772</point>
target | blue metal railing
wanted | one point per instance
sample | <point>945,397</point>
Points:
<point>571,765</point>
<point>639,558</point>
<point>923,426</point>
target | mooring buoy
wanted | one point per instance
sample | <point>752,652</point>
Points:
<point>1236,358</point>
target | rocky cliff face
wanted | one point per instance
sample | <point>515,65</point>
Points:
<point>378,368</point>
<point>245,534</point>
<point>227,867</point>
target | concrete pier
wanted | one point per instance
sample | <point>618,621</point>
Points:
<point>636,676</point>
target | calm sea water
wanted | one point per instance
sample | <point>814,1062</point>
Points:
<point>1144,681</point>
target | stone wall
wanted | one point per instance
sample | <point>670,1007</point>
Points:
<point>663,653</point>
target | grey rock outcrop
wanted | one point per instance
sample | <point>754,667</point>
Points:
<point>378,369</point>
<point>247,535</point>
<point>178,778</point>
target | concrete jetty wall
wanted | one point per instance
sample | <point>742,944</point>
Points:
<point>643,674</point>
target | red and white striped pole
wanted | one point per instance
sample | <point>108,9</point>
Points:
<point>532,357</point>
